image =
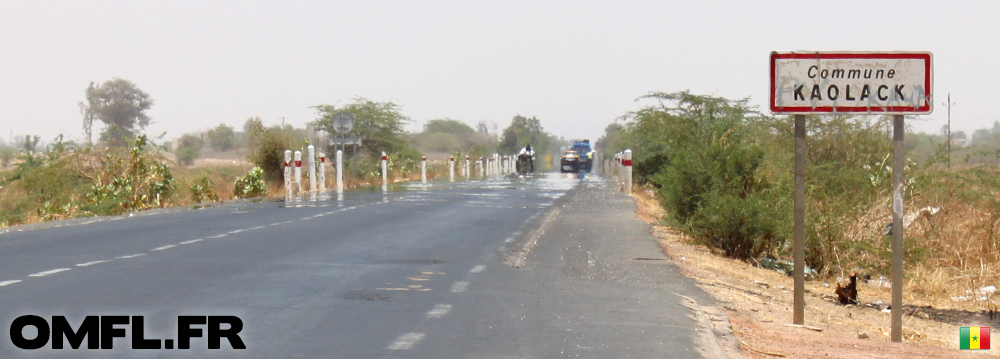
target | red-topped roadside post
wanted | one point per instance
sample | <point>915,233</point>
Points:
<point>288,172</point>
<point>627,165</point>
<point>385,172</point>
<point>423,169</point>
<point>451,169</point>
<point>322,171</point>
<point>892,83</point>
<point>298,172</point>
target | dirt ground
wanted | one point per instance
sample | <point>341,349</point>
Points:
<point>759,305</point>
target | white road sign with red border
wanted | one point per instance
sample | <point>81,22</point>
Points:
<point>837,82</point>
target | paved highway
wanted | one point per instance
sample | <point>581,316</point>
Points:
<point>540,267</point>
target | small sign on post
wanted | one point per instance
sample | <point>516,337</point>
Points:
<point>892,83</point>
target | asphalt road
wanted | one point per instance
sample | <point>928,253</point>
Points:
<point>539,267</point>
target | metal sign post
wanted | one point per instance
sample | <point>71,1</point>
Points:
<point>895,83</point>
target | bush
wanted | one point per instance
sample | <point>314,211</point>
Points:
<point>201,190</point>
<point>251,185</point>
<point>698,154</point>
<point>267,149</point>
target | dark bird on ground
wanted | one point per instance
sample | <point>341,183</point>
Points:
<point>848,294</point>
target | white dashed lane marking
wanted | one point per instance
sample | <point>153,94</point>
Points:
<point>9,282</point>
<point>439,311</point>
<point>131,256</point>
<point>406,341</point>
<point>90,263</point>
<point>164,247</point>
<point>477,269</point>
<point>459,287</point>
<point>218,236</point>
<point>49,272</point>
<point>191,241</point>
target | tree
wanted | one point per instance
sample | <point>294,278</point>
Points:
<point>380,125</point>
<point>222,138</point>
<point>120,105</point>
<point>523,131</point>
<point>189,148</point>
<point>447,125</point>
<point>267,147</point>
<point>446,135</point>
<point>30,143</point>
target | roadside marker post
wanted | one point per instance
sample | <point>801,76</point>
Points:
<point>818,83</point>
<point>468,170</point>
<point>451,169</point>
<point>298,172</point>
<point>479,166</point>
<point>340,171</point>
<point>288,173</point>
<point>627,164</point>
<point>423,169</point>
<point>322,171</point>
<point>385,172</point>
<point>311,161</point>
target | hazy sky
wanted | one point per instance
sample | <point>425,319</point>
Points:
<point>576,65</point>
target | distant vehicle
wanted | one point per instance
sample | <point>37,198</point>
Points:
<point>570,162</point>
<point>525,161</point>
<point>580,157</point>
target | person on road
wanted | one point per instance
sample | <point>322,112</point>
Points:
<point>527,155</point>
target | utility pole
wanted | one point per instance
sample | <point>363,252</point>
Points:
<point>949,129</point>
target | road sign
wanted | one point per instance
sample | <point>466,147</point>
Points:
<point>346,140</point>
<point>836,82</point>
<point>343,122</point>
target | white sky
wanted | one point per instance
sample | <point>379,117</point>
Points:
<point>576,65</point>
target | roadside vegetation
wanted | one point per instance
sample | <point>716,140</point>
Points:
<point>723,172</point>
<point>118,168</point>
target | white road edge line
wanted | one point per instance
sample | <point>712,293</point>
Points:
<point>459,287</point>
<point>164,247</point>
<point>91,263</point>
<point>9,282</point>
<point>192,241</point>
<point>439,311</point>
<point>406,341</point>
<point>49,272</point>
<point>131,256</point>
<point>477,269</point>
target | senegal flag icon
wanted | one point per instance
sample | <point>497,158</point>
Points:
<point>974,338</point>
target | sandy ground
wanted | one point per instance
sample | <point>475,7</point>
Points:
<point>759,305</point>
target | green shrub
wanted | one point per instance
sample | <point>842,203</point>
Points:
<point>201,190</point>
<point>251,185</point>
<point>267,149</point>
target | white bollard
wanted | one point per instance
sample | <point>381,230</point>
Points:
<point>288,172</point>
<point>298,172</point>
<point>479,166</point>
<point>311,162</point>
<point>423,169</point>
<point>468,170</point>
<point>340,171</point>
<point>385,172</point>
<point>322,171</point>
<point>451,169</point>
<point>627,164</point>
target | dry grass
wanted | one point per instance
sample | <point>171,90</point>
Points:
<point>759,303</point>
